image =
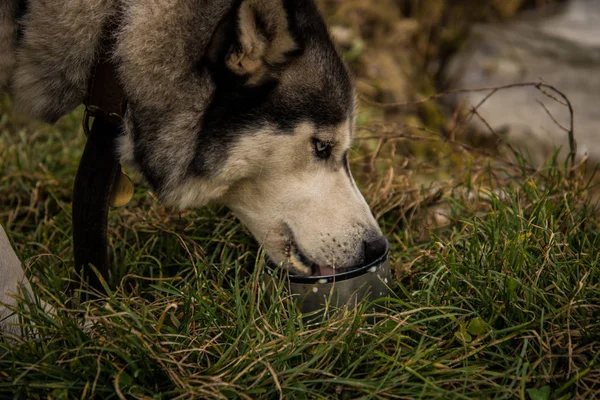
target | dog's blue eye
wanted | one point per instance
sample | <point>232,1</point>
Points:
<point>322,149</point>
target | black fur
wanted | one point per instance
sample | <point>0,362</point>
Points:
<point>22,7</point>
<point>346,163</point>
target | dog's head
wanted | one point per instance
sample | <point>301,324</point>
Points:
<point>272,139</point>
<point>284,93</point>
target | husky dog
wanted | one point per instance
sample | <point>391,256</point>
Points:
<point>240,102</point>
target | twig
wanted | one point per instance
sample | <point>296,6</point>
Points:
<point>493,131</point>
<point>546,89</point>
<point>552,116</point>
<point>441,139</point>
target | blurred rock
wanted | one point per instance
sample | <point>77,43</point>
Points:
<point>562,49</point>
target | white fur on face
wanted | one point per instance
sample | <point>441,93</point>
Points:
<point>292,200</point>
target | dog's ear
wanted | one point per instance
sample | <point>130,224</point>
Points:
<point>263,39</point>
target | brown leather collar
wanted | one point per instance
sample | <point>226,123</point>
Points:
<point>99,168</point>
<point>105,95</point>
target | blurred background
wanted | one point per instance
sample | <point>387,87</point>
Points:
<point>405,50</point>
<point>408,54</point>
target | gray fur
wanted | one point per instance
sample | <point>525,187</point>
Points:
<point>60,43</point>
<point>167,93</point>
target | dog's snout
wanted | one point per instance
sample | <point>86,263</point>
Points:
<point>374,248</point>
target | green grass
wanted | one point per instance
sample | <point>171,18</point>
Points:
<point>503,301</point>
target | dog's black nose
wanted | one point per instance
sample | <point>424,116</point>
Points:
<point>374,248</point>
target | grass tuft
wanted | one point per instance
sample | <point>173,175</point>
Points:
<point>496,292</point>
